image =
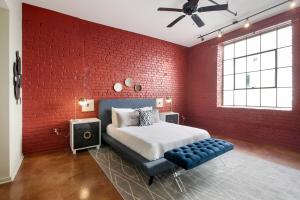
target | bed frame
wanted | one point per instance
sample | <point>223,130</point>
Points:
<point>151,168</point>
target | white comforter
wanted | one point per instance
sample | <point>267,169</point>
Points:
<point>153,141</point>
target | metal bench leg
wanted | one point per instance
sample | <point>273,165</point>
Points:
<point>150,180</point>
<point>178,180</point>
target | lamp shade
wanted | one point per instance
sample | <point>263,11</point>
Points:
<point>82,101</point>
<point>169,100</point>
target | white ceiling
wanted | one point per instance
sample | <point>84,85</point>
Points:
<point>141,16</point>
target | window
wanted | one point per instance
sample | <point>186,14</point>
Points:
<point>257,71</point>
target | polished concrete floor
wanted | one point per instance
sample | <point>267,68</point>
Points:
<point>60,175</point>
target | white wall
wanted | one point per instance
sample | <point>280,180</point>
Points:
<point>14,115</point>
<point>4,91</point>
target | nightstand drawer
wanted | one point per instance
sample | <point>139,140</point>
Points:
<point>172,119</point>
<point>86,134</point>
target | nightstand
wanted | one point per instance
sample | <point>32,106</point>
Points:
<point>85,133</point>
<point>171,117</point>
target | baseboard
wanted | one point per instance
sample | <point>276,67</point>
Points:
<point>5,180</point>
<point>15,171</point>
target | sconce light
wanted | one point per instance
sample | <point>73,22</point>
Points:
<point>81,101</point>
<point>169,101</point>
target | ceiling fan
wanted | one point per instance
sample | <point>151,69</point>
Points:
<point>190,8</point>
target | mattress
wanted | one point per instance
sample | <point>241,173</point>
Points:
<point>153,141</point>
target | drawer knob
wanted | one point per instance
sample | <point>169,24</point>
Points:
<point>87,135</point>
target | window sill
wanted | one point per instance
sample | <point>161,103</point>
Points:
<point>257,108</point>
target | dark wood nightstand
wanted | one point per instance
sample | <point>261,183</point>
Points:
<point>85,133</point>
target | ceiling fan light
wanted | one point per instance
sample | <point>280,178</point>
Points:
<point>292,4</point>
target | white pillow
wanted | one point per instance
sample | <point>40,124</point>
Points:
<point>114,117</point>
<point>128,118</point>
<point>156,117</point>
<point>114,111</point>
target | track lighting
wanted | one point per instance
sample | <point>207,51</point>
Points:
<point>220,34</point>
<point>292,4</point>
<point>247,24</point>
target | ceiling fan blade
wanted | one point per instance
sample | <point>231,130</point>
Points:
<point>213,8</point>
<point>197,20</point>
<point>170,9</point>
<point>175,21</point>
<point>194,2</point>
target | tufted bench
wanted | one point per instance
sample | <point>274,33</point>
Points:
<point>193,155</point>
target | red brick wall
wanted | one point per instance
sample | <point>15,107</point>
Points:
<point>259,126</point>
<point>65,57</point>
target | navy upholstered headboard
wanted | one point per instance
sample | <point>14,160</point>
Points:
<point>105,106</point>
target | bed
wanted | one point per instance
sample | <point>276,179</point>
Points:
<point>127,141</point>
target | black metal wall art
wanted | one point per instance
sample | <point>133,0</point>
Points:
<point>17,78</point>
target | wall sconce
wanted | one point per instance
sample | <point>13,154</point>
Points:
<point>169,101</point>
<point>81,101</point>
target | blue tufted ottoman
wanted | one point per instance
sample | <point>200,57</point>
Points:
<point>193,155</point>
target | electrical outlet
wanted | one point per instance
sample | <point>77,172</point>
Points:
<point>89,107</point>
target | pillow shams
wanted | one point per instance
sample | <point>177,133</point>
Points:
<point>128,119</point>
<point>114,117</point>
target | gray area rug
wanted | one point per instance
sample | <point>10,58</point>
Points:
<point>233,176</point>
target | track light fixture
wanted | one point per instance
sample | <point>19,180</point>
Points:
<point>292,4</point>
<point>220,34</point>
<point>247,24</point>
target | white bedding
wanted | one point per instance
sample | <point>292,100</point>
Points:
<point>153,141</point>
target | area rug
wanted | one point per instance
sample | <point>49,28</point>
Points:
<point>233,176</point>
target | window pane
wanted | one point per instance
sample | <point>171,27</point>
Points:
<point>240,48</point>
<point>240,97</point>
<point>253,97</point>
<point>253,80</point>
<point>285,57</point>
<point>240,81</point>
<point>228,67</point>
<point>240,65</point>
<point>253,63</point>
<point>228,82</point>
<point>284,97</point>
<point>268,78</point>
<point>268,60</point>
<point>253,45</point>
<point>285,37</point>
<point>228,51</point>
<point>268,41</point>
<point>284,77</point>
<point>268,97</point>
<point>228,98</point>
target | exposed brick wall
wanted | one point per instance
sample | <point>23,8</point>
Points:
<point>259,126</point>
<point>65,57</point>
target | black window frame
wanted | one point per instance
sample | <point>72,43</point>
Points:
<point>276,49</point>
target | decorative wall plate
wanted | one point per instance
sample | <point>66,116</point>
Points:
<point>128,82</point>
<point>137,88</point>
<point>118,87</point>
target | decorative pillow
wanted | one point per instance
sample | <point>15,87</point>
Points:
<point>128,119</point>
<point>145,117</point>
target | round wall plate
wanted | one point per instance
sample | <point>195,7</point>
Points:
<point>128,82</point>
<point>118,87</point>
<point>137,88</point>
